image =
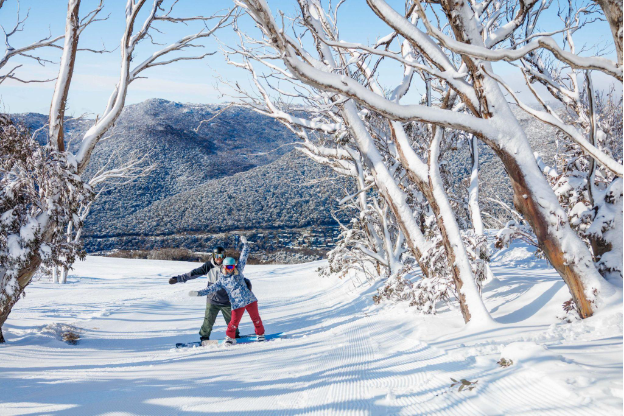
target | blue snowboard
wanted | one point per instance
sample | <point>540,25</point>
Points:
<point>242,340</point>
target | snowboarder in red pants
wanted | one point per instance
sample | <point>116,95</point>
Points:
<point>237,314</point>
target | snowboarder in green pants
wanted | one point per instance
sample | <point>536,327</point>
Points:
<point>217,302</point>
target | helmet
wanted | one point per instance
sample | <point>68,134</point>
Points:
<point>218,252</point>
<point>229,261</point>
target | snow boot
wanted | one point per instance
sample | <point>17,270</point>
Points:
<point>229,341</point>
<point>261,338</point>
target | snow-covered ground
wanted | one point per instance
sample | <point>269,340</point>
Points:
<point>344,355</point>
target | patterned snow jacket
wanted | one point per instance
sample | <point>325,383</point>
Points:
<point>240,296</point>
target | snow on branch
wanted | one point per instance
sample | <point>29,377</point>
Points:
<point>571,131</point>
<point>598,63</point>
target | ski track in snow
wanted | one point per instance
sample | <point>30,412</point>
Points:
<point>343,355</point>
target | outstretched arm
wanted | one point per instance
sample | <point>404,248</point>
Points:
<point>193,274</point>
<point>207,291</point>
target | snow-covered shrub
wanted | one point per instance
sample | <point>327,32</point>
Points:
<point>341,258</point>
<point>396,289</point>
<point>590,193</point>
<point>424,294</point>
<point>39,190</point>
<point>438,286</point>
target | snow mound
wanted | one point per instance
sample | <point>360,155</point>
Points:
<point>600,326</point>
<point>519,254</point>
<point>524,352</point>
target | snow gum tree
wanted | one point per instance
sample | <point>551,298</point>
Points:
<point>454,42</point>
<point>43,190</point>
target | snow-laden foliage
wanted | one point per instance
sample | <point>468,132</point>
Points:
<point>39,192</point>
<point>590,193</point>
<point>517,230</point>
<point>348,254</point>
<point>437,285</point>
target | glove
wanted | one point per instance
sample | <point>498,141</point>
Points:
<point>193,293</point>
<point>248,283</point>
<point>243,239</point>
<point>179,279</point>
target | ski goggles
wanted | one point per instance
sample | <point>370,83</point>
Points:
<point>218,256</point>
<point>229,267</point>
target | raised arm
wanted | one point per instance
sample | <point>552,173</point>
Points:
<point>242,261</point>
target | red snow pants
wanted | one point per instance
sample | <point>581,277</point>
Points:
<point>237,315</point>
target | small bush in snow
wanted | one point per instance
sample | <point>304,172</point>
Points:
<point>504,362</point>
<point>464,384</point>
<point>517,230</point>
<point>71,337</point>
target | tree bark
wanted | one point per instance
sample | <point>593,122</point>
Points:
<point>24,278</point>
<point>612,10</point>
<point>527,204</point>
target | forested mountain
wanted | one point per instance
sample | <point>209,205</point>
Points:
<point>185,153</point>
<point>237,172</point>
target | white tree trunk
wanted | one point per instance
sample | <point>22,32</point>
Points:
<point>386,184</point>
<point>475,312</point>
<point>63,277</point>
<point>473,189</point>
<point>61,89</point>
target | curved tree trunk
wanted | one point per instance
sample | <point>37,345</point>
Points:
<point>558,241</point>
<point>24,278</point>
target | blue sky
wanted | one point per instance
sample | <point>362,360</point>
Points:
<point>190,81</point>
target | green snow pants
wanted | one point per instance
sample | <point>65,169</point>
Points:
<point>211,316</point>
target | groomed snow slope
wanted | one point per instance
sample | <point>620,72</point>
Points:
<point>344,355</point>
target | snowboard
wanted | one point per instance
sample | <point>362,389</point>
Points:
<point>244,339</point>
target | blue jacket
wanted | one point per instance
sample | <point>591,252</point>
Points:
<point>240,296</point>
